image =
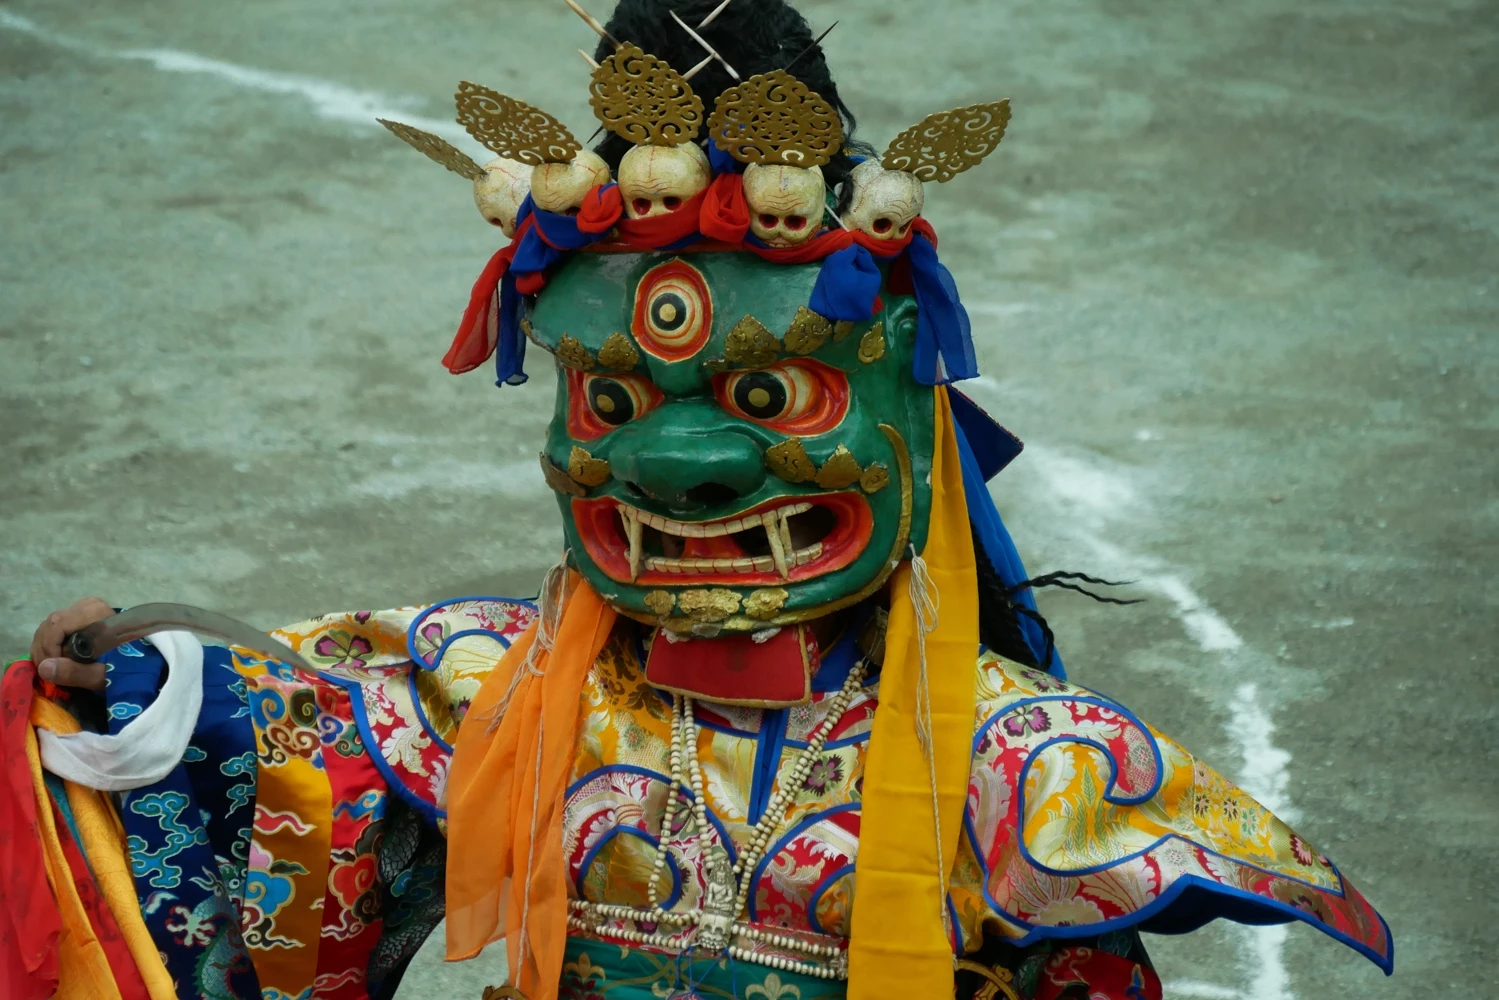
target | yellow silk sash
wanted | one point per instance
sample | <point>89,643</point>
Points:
<point>101,839</point>
<point>898,946</point>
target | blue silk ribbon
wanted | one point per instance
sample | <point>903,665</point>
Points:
<point>944,337</point>
<point>1000,548</point>
<point>847,285</point>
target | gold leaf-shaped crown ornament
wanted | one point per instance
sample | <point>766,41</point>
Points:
<point>436,148</point>
<point>945,144</point>
<point>500,186</point>
<point>774,118</point>
<point>642,99</point>
<point>513,129</point>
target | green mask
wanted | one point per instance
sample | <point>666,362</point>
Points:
<point>724,457</point>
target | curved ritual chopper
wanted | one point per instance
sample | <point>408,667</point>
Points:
<point>784,721</point>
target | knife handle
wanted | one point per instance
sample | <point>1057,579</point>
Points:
<point>79,647</point>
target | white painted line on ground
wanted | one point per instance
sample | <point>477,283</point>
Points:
<point>328,100</point>
<point>1193,988</point>
<point>1101,500</point>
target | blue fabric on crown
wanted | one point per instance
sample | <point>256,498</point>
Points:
<point>944,337</point>
<point>847,285</point>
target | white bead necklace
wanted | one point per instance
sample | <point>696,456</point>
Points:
<point>719,922</point>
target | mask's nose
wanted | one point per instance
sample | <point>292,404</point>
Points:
<point>689,461</point>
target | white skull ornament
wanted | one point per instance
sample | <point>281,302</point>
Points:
<point>884,202</point>
<point>560,187</point>
<point>658,180</point>
<point>785,203</point>
<point>500,192</point>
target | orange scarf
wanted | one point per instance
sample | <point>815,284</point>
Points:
<point>902,865</point>
<point>507,877</point>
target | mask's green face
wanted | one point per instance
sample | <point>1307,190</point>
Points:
<point>724,457</point>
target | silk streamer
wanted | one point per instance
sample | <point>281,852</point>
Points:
<point>507,877</point>
<point>901,837</point>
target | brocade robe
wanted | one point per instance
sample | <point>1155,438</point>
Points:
<point>1083,825</point>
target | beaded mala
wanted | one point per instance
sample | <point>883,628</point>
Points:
<point>718,926</point>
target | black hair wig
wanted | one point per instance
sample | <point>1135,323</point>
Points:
<point>753,36</point>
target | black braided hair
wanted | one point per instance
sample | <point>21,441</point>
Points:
<point>1000,612</point>
<point>754,36</point>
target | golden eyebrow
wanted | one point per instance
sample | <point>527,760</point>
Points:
<point>751,343</point>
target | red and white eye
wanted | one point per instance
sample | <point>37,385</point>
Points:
<point>673,311</point>
<point>597,404</point>
<point>802,397</point>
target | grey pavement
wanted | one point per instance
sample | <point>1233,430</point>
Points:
<point>1234,275</point>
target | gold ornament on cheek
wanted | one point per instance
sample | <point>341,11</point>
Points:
<point>750,344</point>
<point>875,478</point>
<point>571,352</point>
<point>642,99</point>
<point>839,471</point>
<point>842,329</point>
<point>513,129</point>
<point>807,332</point>
<point>947,143</point>
<point>872,344</point>
<point>618,353</point>
<point>559,480</point>
<point>790,461</point>
<point>586,469</point>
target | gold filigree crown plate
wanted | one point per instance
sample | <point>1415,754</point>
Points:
<point>437,149</point>
<point>642,99</point>
<point>775,118</point>
<point>513,129</point>
<point>945,144</point>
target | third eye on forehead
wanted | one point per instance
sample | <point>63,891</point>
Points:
<point>668,310</point>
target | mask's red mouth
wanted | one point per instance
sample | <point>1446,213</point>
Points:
<point>785,540</point>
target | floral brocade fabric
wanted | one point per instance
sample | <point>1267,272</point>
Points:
<point>1081,819</point>
<point>308,811</point>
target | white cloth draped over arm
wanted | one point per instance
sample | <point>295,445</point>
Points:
<point>148,746</point>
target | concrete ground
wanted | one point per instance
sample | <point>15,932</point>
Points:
<point>1233,275</point>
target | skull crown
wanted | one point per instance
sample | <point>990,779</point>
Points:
<point>658,180</point>
<point>785,202</point>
